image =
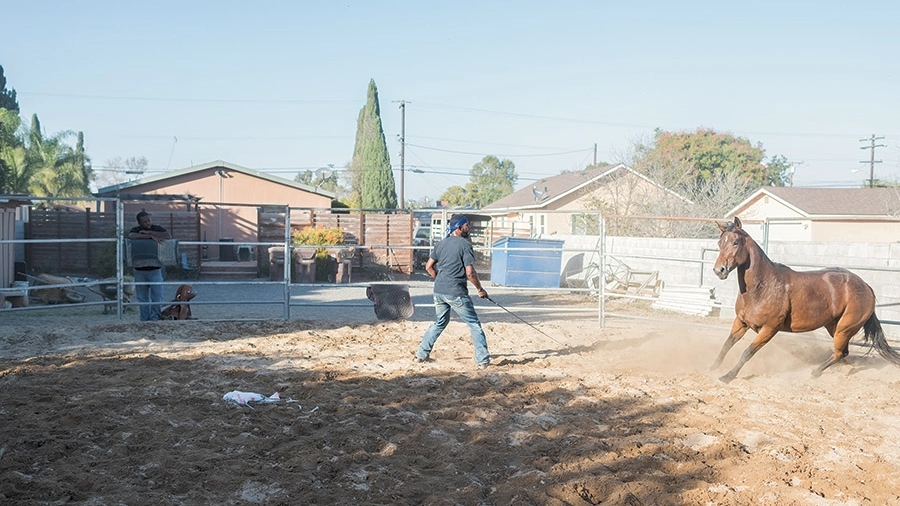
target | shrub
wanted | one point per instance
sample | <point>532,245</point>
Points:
<point>320,237</point>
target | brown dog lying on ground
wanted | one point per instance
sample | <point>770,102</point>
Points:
<point>180,311</point>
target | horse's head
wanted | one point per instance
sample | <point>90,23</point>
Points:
<point>732,248</point>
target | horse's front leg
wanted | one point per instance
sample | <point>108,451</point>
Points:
<point>738,329</point>
<point>764,336</point>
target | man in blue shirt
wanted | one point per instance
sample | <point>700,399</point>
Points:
<point>451,264</point>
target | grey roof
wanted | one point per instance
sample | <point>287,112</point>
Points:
<point>544,192</point>
<point>115,189</point>
<point>835,202</point>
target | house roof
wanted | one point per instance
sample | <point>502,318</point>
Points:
<point>830,202</point>
<point>546,191</point>
<point>117,189</point>
<point>13,201</point>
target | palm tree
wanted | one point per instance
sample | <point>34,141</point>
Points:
<point>18,172</point>
<point>56,170</point>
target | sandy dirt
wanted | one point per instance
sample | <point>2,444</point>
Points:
<point>97,411</point>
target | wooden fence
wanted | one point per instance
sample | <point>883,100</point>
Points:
<point>93,258</point>
<point>377,232</point>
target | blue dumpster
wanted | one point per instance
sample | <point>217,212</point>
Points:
<point>537,262</point>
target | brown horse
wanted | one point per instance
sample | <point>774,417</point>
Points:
<point>775,298</point>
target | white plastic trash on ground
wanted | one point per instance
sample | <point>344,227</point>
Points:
<point>244,398</point>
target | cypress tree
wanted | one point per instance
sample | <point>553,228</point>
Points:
<point>82,161</point>
<point>371,164</point>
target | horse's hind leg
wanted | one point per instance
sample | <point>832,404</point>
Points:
<point>841,348</point>
<point>738,329</point>
<point>764,336</point>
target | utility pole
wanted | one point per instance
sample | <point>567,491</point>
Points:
<point>872,161</point>
<point>402,149</point>
<point>791,170</point>
<point>595,155</point>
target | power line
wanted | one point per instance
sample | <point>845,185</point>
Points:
<point>424,104</point>
<point>500,154</point>
<point>537,116</point>
<point>489,143</point>
<point>621,124</point>
<point>197,100</point>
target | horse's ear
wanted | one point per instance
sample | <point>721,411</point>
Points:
<point>721,227</point>
<point>737,223</point>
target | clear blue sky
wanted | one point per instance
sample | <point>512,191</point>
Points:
<point>277,86</point>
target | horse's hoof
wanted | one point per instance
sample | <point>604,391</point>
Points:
<point>815,373</point>
<point>726,379</point>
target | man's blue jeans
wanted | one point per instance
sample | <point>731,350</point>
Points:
<point>466,310</point>
<point>149,293</point>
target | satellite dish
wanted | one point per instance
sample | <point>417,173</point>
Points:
<point>323,173</point>
<point>538,194</point>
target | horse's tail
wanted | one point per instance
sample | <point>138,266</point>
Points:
<point>873,331</point>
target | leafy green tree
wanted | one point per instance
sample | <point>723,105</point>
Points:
<point>10,148</point>
<point>712,154</point>
<point>491,180</point>
<point>9,124</point>
<point>777,171</point>
<point>7,97</point>
<point>691,178</point>
<point>331,183</point>
<point>455,196</point>
<point>35,164</point>
<point>371,163</point>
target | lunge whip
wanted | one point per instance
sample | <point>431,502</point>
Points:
<point>526,323</point>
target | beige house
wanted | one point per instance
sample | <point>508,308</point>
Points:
<point>777,213</point>
<point>226,195</point>
<point>569,203</point>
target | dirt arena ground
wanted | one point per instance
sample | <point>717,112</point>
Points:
<point>97,411</point>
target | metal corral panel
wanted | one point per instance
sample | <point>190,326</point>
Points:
<point>536,265</point>
<point>7,252</point>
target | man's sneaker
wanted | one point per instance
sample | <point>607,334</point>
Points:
<point>483,365</point>
<point>420,360</point>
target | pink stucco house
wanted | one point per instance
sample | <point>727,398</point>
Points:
<point>226,195</point>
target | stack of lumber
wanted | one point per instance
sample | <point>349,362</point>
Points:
<point>690,300</point>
